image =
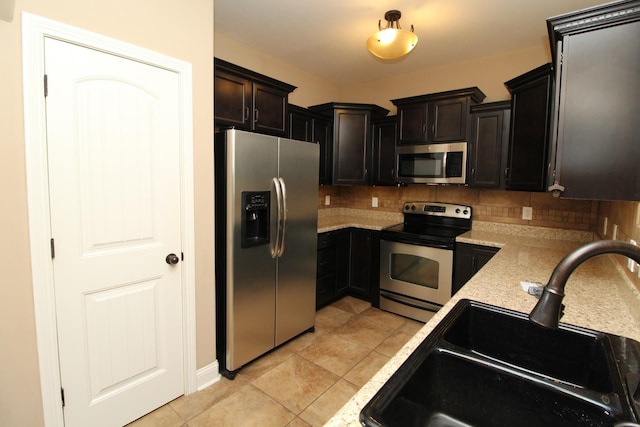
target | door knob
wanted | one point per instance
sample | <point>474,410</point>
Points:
<point>172,259</point>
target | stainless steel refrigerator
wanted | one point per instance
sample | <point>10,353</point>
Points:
<point>266,243</point>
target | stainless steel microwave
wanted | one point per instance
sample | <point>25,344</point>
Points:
<point>432,163</point>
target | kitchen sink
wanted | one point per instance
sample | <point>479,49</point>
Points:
<point>576,356</point>
<point>487,366</point>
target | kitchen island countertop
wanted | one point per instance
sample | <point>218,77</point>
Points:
<point>598,295</point>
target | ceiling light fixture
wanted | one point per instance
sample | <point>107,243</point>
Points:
<point>392,42</point>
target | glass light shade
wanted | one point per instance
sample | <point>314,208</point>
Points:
<point>392,43</point>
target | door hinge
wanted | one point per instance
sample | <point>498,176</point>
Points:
<point>53,249</point>
<point>62,395</point>
<point>46,86</point>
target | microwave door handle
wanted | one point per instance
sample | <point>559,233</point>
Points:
<point>444,164</point>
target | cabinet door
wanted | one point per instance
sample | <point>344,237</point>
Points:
<point>364,276</point>
<point>352,147</point>
<point>269,110</point>
<point>489,148</point>
<point>300,125</point>
<point>530,118</point>
<point>449,120</point>
<point>384,145</point>
<point>322,134</point>
<point>232,100</point>
<point>413,123</point>
<point>469,259</point>
<point>599,126</point>
<point>342,262</point>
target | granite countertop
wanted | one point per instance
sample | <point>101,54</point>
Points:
<point>598,294</point>
<point>339,218</point>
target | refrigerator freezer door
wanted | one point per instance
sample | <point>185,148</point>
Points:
<point>296,286</point>
<point>251,271</point>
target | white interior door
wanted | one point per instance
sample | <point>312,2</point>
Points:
<point>113,134</point>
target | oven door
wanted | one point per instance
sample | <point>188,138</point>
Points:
<point>418,277</point>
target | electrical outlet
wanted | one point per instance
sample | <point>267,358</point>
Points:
<point>327,200</point>
<point>527,213</point>
<point>374,202</point>
<point>604,229</point>
<point>614,232</point>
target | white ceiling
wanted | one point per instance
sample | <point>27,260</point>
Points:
<point>328,38</point>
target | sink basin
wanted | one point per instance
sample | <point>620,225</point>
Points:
<point>487,366</point>
<point>577,356</point>
<point>482,396</point>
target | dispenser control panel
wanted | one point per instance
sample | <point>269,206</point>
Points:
<point>254,227</point>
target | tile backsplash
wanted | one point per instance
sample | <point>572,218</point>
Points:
<point>488,205</point>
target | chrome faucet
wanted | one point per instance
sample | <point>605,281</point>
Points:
<point>549,308</point>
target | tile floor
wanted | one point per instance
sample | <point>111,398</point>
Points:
<point>302,383</point>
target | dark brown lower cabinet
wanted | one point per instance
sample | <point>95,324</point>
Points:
<point>364,268</point>
<point>468,259</point>
<point>348,264</point>
<point>333,267</point>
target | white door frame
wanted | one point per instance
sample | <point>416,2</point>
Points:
<point>34,31</point>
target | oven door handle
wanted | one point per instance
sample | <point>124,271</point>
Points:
<point>411,302</point>
<point>434,245</point>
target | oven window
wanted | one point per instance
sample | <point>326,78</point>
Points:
<point>414,269</point>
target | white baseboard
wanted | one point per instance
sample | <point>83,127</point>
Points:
<point>208,375</point>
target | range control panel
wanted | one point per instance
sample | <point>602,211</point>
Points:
<point>437,209</point>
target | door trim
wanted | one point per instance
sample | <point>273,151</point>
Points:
<point>34,30</point>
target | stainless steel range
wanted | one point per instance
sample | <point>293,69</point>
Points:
<point>416,258</point>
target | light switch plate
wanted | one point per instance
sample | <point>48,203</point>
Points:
<point>374,202</point>
<point>527,213</point>
<point>327,200</point>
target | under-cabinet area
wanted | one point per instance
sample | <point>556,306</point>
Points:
<point>347,265</point>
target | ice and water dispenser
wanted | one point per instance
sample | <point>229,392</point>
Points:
<point>254,230</point>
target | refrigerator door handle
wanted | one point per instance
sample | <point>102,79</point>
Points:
<point>275,250</point>
<point>283,225</point>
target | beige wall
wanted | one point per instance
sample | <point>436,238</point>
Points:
<point>179,29</point>
<point>310,90</point>
<point>488,73</point>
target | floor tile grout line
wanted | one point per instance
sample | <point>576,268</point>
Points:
<point>352,303</point>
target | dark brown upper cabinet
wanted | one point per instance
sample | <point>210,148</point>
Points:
<point>489,144</point>
<point>596,149</point>
<point>352,153</point>
<point>529,133</point>
<point>306,125</point>
<point>437,117</point>
<point>248,100</point>
<point>385,133</point>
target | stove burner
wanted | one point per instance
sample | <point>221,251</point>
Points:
<point>430,224</point>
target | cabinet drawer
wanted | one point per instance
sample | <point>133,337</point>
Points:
<point>326,261</point>
<point>325,290</point>
<point>326,239</point>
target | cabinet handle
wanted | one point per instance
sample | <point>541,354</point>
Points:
<point>506,174</point>
<point>473,172</point>
<point>257,113</point>
<point>424,129</point>
<point>246,113</point>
